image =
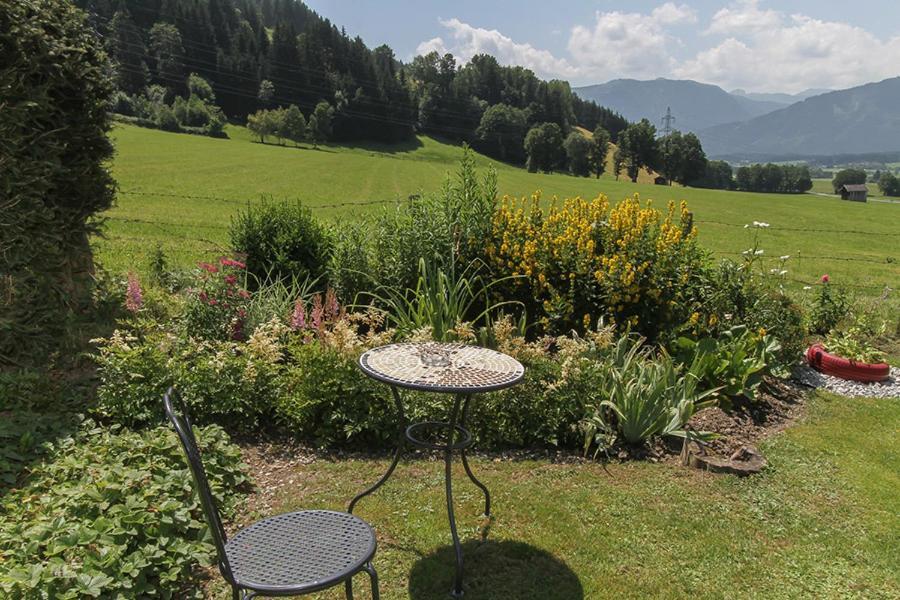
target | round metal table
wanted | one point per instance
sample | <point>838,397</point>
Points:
<point>444,368</point>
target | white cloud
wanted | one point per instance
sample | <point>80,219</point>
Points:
<point>747,45</point>
<point>623,45</point>
<point>672,13</point>
<point>789,53</point>
<point>469,41</point>
<point>744,16</point>
<point>435,44</point>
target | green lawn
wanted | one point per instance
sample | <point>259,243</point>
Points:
<point>821,522</point>
<point>237,170</point>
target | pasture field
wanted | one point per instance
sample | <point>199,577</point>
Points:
<point>181,191</point>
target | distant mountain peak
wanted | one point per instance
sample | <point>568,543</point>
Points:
<point>858,120</point>
<point>695,105</point>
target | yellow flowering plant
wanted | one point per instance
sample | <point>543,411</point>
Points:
<point>577,261</point>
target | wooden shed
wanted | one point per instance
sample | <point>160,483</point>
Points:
<point>858,192</point>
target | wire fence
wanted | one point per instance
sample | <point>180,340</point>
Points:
<point>164,227</point>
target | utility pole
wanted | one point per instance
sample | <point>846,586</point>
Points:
<point>667,131</point>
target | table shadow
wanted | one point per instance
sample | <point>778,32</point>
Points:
<point>500,570</point>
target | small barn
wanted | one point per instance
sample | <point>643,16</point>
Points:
<point>858,192</point>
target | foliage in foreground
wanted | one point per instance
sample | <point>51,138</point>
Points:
<point>53,144</point>
<point>113,513</point>
<point>736,361</point>
<point>641,396</point>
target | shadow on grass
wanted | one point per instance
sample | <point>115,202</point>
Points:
<point>495,571</point>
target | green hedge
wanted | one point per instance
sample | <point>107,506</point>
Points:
<point>53,143</point>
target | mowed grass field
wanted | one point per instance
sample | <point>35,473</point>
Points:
<point>181,191</point>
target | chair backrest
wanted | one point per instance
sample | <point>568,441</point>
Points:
<point>180,419</point>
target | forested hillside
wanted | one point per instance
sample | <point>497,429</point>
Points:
<point>260,54</point>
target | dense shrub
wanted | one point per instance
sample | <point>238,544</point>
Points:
<point>350,267</point>
<point>583,261</point>
<point>731,294</point>
<point>449,229</point>
<point>112,513</point>
<point>281,241</point>
<point>53,143</point>
<point>231,383</point>
<point>329,400</point>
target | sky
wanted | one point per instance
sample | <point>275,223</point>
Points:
<point>754,45</point>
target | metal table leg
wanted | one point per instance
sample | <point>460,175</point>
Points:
<point>457,590</point>
<point>401,444</point>
<point>465,462</point>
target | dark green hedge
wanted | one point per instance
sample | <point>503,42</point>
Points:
<point>54,91</point>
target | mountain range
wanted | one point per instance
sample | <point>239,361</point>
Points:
<point>741,125</point>
<point>695,105</point>
<point>852,121</point>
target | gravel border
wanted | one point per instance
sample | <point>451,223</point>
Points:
<point>889,388</point>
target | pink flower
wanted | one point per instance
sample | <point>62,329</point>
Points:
<point>332,307</point>
<point>202,296</point>
<point>244,294</point>
<point>213,301</point>
<point>826,278</point>
<point>208,267</point>
<point>298,319</point>
<point>228,262</point>
<point>134,298</point>
<point>230,280</point>
<point>318,312</point>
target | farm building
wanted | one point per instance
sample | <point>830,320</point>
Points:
<point>858,192</point>
<point>660,180</point>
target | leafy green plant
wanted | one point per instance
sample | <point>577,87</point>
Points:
<point>216,307</point>
<point>642,396</point>
<point>276,297</point>
<point>231,383</point>
<point>829,308</point>
<point>281,241</point>
<point>736,361</point>
<point>853,344</point>
<point>449,229</point>
<point>441,301</point>
<point>112,513</point>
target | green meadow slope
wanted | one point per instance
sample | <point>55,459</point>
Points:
<point>181,191</point>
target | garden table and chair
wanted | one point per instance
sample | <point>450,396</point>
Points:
<point>458,370</point>
<point>307,551</point>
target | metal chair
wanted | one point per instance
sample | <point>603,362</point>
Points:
<point>286,555</point>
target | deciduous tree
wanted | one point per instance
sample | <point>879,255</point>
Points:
<point>578,149</point>
<point>294,124</point>
<point>543,145</point>
<point>639,148</point>
<point>599,150</point>
<point>501,132</point>
<point>167,51</point>
<point>847,176</point>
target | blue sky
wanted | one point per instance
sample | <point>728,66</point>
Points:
<point>757,45</point>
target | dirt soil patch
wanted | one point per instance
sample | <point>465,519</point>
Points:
<point>778,404</point>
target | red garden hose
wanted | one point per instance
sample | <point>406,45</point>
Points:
<point>831,364</point>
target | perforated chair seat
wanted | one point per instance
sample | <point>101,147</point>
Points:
<point>300,551</point>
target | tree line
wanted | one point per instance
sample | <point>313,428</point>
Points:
<point>267,54</point>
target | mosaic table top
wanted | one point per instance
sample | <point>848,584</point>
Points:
<point>442,367</point>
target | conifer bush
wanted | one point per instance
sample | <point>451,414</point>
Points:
<point>53,147</point>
